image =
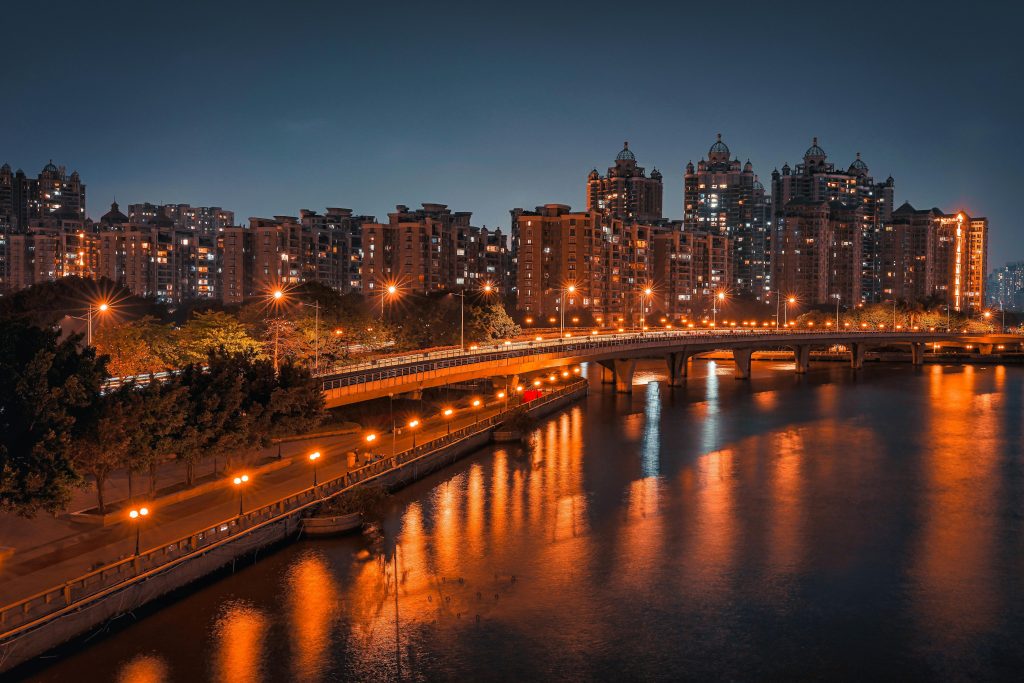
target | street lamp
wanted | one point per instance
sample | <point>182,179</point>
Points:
<point>413,424</point>
<point>137,515</point>
<point>643,309</point>
<point>390,292</point>
<point>239,482</point>
<point>102,307</point>
<point>785,313</point>
<point>570,289</point>
<point>313,457</point>
<point>448,412</point>
<point>714,308</point>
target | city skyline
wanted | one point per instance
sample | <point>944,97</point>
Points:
<point>485,123</point>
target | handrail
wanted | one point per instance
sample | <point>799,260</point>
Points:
<point>45,605</point>
<point>411,364</point>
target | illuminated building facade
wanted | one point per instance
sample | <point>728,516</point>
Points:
<point>1005,288</point>
<point>26,201</point>
<point>688,268</point>
<point>723,198</point>
<point>817,180</point>
<point>626,192</point>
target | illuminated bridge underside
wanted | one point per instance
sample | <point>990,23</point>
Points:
<point>618,354</point>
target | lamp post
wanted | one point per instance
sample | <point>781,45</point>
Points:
<point>137,516</point>
<point>643,309</point>
<point>714,307</point>
<point>413,424</point>
<point>837,311</point>
<point>448,412</point>
<point>389,292</point>
<point>89,312</point>
<point>785,316</point>
<point>313,457</point>
<point>277,298</point>
<point>570,289</point>
<point>239,483</point>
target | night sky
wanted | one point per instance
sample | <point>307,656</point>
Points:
<point>268,108</point>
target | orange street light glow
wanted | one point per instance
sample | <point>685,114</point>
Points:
<point>315,455</point>
<point>241,480</point>
<point>413,424</point>
<point>370,438</point>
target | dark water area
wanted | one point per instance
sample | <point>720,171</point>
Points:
<point>839,525</point>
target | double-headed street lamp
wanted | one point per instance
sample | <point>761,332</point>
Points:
<point>240,483</point>
<point>413,424</point>
<point>313,457</point>
<point>138,515</point>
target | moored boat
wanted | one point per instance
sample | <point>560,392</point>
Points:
<point>330,525</point>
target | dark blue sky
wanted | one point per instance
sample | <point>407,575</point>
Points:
<point>269,108</point>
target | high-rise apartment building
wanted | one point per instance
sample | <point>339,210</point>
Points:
<point>428,250</point>
<point>689,269</point>
<point>817,180</point>
<point>723,197</point>
<point>1005,288</point>
<point>201,220</point>
<point>626,192</point>
<point>25,201</point>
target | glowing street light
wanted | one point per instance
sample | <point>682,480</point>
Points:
<point>239,483</point>
<point>413,424</point>
<point>785,313</point>
<point>568,289</point>
<point>643,309</point>
<point>720,296</point>
<point>101,307</point>
<point>448,413</point>
<point>138,515</point>
<point>313,457</point>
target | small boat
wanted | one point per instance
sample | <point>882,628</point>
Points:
<point>330,525</point>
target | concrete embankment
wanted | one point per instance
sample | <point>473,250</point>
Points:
<point>69,611</point>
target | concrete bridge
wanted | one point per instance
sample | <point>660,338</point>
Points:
<point>618,354</point>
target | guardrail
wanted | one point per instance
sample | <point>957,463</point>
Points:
<point>49,604</point>
<point>412,364</point>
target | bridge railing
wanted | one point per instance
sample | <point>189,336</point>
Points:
<point>40,607</point>
<point>414,364</point>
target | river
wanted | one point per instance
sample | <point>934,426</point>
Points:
<point>836,525</point>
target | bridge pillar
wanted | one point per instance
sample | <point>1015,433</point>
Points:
<point>857,352</point>
<point>985,349</point>
<point>917,353</point>
<point>677,368</point>
<point>742,359</point>
<point>624,375</point>
<point>802,356</point>
<point>607,372</point>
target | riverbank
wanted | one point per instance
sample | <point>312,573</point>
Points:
<point>46,620</point>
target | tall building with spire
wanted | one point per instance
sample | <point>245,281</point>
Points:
<point>723,198</point>
<point>816,181</point>
<point>626,192</point>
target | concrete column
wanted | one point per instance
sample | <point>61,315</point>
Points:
<point>802,356</point>
<point>742,359</point>
<point>607,372</point>
<point>985,349</point>
<point>676,362</point>
<point>857,352</point>
<point>624,375</point>
<point>917,353</point>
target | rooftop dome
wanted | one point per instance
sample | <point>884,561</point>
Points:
<point>858,166</point>
<point>50,168</point>
<point>625,154</point>
<point>814,152</point>
<point>6,168</point>
<point>656,174</point>
<point>114,216</point>
<point>757,184</point>
<point>719,147</point>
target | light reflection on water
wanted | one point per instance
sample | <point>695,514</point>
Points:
<point>827,526</point>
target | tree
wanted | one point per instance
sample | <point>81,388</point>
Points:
<point>101,443</point>
<point>210,330</point>
<point>490,323</point>
<point>46,384</point>
<point>155,418</point>
<point>137,347</point>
